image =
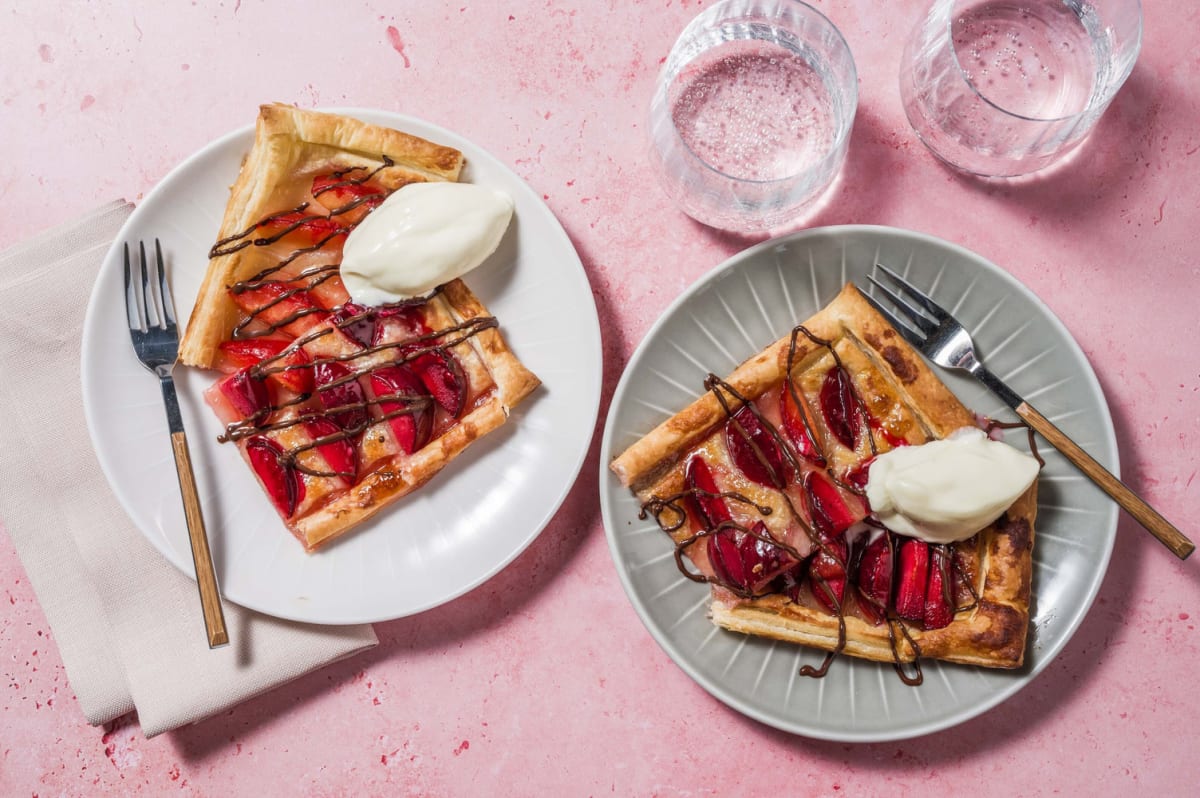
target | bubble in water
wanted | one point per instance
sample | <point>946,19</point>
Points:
<point>994,34</point>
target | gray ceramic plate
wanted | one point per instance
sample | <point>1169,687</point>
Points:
<point>758,296</point>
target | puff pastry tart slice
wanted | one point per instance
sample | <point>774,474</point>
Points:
<point>760,483</point>
<point>339,409</point>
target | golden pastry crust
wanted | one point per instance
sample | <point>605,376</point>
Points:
<point>289,144</point>
<point>896,384</point>
<point>494,365</point>
<point>291,147</point>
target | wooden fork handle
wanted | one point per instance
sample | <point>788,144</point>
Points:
<point>1133,504</point>
<point>206,577</point>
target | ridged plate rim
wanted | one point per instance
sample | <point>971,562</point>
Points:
<point>1076,525</point>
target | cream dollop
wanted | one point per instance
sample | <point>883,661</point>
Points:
<point>945,491</point>
<point>423,235</point>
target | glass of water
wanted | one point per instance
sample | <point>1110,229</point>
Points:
<point>1002,88</point>
<point>752,113</point>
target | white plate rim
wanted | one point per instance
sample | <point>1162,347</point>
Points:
<point>610,488</point>
<point>588,348</point>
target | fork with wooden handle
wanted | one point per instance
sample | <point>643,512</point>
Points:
<point>156,341</point>
<point>941,338</point>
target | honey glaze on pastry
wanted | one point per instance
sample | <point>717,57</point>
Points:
<point>760,483</point>
<point>338,408</point>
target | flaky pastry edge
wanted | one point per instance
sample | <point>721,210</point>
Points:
<point>290,140</point>
<point>992,634</point>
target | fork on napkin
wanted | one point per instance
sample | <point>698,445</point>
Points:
<point>124,619</point>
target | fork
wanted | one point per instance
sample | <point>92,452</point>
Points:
<point>155,337</point>
<point>942,339</point>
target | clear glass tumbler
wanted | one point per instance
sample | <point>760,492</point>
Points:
<point>752,113</point>
<point>1002,88</point>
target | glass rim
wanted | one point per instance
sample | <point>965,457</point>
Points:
<point>837,145</point>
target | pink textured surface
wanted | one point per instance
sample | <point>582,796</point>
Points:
<point>544,680</point>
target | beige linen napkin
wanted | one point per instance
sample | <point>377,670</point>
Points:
<point>127,623</point>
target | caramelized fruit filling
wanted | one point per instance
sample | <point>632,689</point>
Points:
<point>319,390</point>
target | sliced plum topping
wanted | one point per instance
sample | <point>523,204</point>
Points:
<point>791,581</point>
<point>799,426</point>
<point>726,559</point>
<point>396,323</point>
<point>328,290</point>
<point>444,377</point>
<point>291,371</point>
<point>939,609</point>
<point>762,561</point>
<point>283,483</point>
<point>827,509</point>
<point>840,406</point>
<point>875,579</point>
<point>748,560</point>
<point>280,307</point>
<point>413,421</point>
<point>300,228</point>
<point>754,450</point>
<point>860,474</point>
<point>247,395</point>
<point>341,394</point>
<point>827,574</point>
<point>357,323</point>
<point>708,505</point>
<point>912,576</point>
<point>349,200</point>
<point>339,453</point>
<point>237,355</point>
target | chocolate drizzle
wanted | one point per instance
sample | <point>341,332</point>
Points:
<point>860,408</point>
<point>672,515</point>
<point>438,341</point>
<point>991,424</point>
<point>241,240</point>
<point>341,181</point>
<point>286,290</point>
<point>656,506</point>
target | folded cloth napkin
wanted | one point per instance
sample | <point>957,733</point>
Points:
<point>127,623</point>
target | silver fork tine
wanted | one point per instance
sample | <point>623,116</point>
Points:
<point>934,309</point>
<point>948,344</point>
<point>134,302</point>
<point>155,340</point>
<point>148,283</point>
<point>912,336</point>
<point>915,316</point>
<point>164,291</point>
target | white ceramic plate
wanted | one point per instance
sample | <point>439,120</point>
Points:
<point>757,297</point>
<point>459,529</point>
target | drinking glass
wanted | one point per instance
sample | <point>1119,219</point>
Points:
<point>752,113</point>
<point>1002,88</point>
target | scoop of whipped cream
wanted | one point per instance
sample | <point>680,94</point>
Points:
<point>945,491</point>
<point>423,235</point>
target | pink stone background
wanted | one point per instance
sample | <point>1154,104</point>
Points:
<point>544,680</point>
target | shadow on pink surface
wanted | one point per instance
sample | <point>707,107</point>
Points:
<point>424,635</point>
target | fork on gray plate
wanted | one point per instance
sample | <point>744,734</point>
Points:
<point>156,341</point>
<point>941,338</point>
